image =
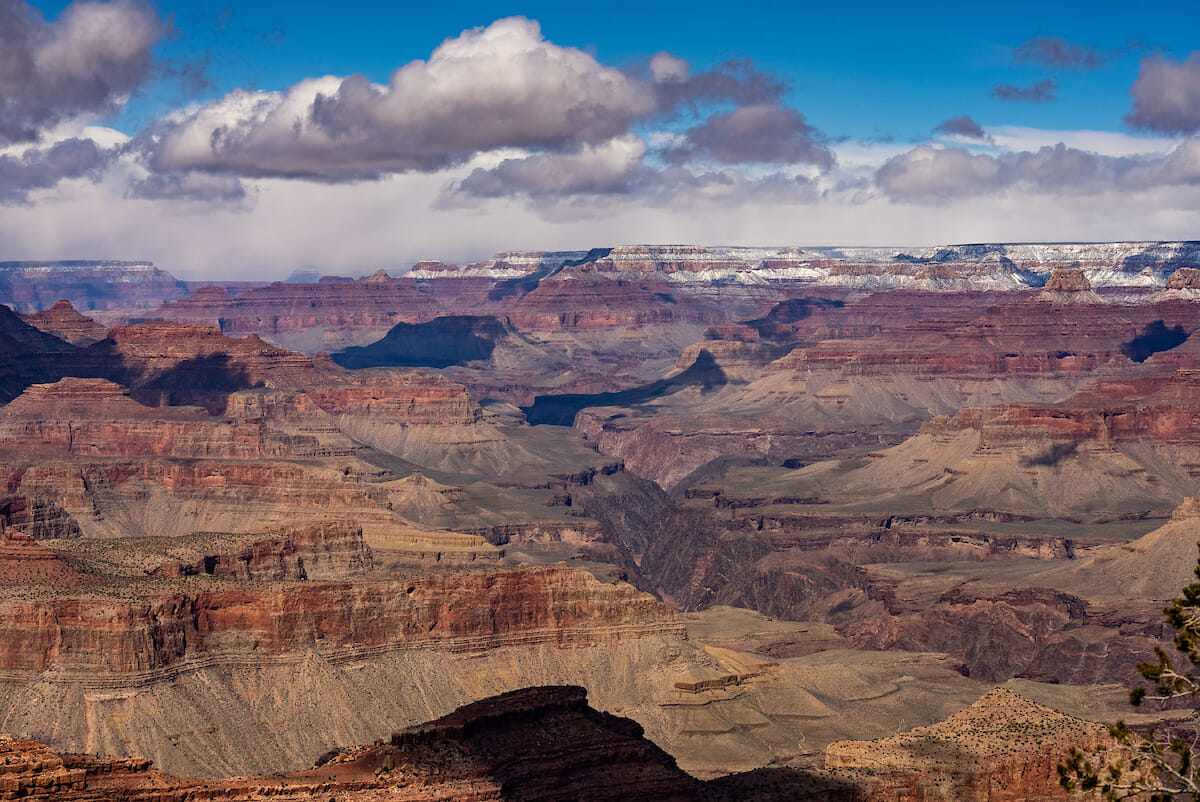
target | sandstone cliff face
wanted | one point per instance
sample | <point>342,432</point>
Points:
<point>36,516</point>
<point>449,610</point>
<point>318,550</point>
<point>146,497</point>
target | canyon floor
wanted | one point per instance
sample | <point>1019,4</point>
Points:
<point>802,524</point>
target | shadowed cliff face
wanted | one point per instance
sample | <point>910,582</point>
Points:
<point>519,286</point>
<point>440,343</point>
<point>560,410</point>
<point>205,381</point>
<point>787,312</point>
<point>29,356</point>
<point>1156,337</point>
<point>1052,456</point>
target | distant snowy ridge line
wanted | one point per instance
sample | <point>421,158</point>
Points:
<point>947,268</point>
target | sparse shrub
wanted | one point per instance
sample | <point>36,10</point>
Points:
<point>1154,766</point>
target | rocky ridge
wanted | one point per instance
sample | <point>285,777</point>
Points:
<point>1003,747</point>
<point>62,321</point>
<point>537,743</point>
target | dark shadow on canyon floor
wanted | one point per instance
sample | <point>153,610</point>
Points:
<point>560,410</point>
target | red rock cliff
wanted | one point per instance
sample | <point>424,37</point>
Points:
<point>452,610</point>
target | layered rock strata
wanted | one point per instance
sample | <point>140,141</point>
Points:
<point>28,286</point>
<point>453,611</point>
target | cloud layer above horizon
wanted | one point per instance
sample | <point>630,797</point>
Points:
<point>501,138</point>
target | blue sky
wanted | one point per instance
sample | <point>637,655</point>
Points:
<point>860,69</point>
<point>240,132</point>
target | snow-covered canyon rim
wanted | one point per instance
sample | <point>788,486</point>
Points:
<point>985,266</point>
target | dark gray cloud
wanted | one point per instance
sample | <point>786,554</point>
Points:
<point>1166,95</point>
<point>735,81</point>
<point>503,86</point>
<point>758,133</point>
<point>612,168</point>
<point>85,62</point>
<point>931,174</point>
<point>1041,92</point>
<point>1179,167</point>
<point>962,125</point>
<point>615,172</point>
<point>200,187</point>
<point>41,168</point>
<point>1058,53</point>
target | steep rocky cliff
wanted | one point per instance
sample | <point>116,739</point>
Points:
<point>168,627</point>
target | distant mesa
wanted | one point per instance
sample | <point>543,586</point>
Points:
<point>28,286</point>
<point>304,276</point>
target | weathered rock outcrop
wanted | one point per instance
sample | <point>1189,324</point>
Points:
<point>569,750</point>
<point>317,550</point>
<point>24,563</point>
<point>1068,285</point>
<point>1003,748</point>
<point>1185,278</point>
